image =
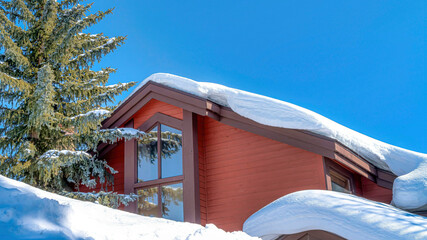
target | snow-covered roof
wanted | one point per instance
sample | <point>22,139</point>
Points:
<point>346,215</point>
<point>30,213</point>
<point>410,166</point>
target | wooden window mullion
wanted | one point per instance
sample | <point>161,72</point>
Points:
<point>159,167</point>
<point>159,151</point>
<point>159,200</point>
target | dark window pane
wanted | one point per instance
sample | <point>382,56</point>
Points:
<point>171,151</point>
<point>147,157</point>
<point>339,182</point>
<point>172,204</point>
<point>337,188</point>
<point>148,202</point>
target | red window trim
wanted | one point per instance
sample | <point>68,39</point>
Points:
<point>190,177</point>
<point>329,165</point>
<point>158,120</point>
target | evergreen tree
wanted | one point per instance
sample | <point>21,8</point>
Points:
<point>52,102</point>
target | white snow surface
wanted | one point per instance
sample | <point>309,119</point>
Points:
<point>410,166</point>
<point>56,153</point>
<point>30,213</point>
<point>127,133</point>
<point>97,113</point>
<point>346,215</point>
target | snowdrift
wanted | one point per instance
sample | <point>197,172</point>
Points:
<point>346,215</point>
<point>30,213</point>
<point>410,188</point>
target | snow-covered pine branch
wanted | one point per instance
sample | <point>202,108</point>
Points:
<point>18,10</point>
<point>90,56</point>
<point>112,199</point>
<point>97,113</point>
<point>77,167</point>
<point>89,121</point>
<point>108,93</point>
<point>117,134</point>
<point>41,102</point>
<point>13,52</point>
<point>12,84</point>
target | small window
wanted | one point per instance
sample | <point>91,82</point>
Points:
<point>338,178</point>
<point>160,173</point>
<point>339,183</point>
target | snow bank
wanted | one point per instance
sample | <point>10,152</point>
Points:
<point>346,215</point>
<point>278,113</point>
<point>30,213</point>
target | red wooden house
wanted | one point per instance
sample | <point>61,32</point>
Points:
<point>204,163</point>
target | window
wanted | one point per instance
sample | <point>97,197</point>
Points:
<point>160,173</point>
<point>339,183</point>
<point>338,178</point>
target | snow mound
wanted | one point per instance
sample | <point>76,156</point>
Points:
<point>30,213</point>
<point>277,113</point>
<point>346,215</point>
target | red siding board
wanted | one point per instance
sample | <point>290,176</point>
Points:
<point>244,172</point>
<point>372,191</point>
<point>152,107</point>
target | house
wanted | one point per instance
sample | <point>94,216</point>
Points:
<point>203,162</point>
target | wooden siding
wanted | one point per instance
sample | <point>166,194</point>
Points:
<point>241,172</point>
<point>372,191</point>
<point>202,171</point>
<point>155,106</point>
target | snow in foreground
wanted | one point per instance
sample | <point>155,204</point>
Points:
<point>409,189</point>
<point>346,215</point>
<point>30,213</point>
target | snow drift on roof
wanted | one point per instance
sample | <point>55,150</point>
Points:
<point>30,213</point>
<point>277,113</point>
<point>346,215</point>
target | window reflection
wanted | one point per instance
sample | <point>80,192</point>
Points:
<point>171,151</point>
<point>171,199</point>
<point>172,203</point>
<point>147,157</point>
<point>169,159</point>
<point>148,202</point>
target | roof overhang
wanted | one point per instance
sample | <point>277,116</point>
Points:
<point>306,140</point>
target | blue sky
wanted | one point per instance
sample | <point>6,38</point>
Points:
<point>359,63</point>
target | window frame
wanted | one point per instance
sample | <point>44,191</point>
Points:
<point>190,176</point>
<point>159,196</point>
<point>160,181</point>
<point>329,165</point>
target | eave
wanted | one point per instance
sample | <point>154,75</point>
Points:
<point>306,140</point>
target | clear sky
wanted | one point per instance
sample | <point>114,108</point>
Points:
<point>359,63</point>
